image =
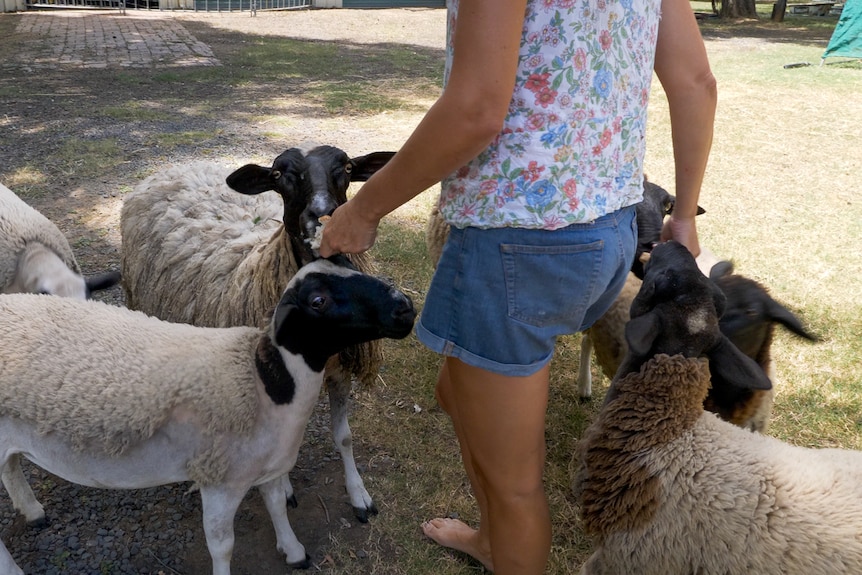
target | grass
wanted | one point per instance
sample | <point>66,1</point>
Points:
<point>326,74</point>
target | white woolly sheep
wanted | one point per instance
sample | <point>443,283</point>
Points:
<point>666,488</point>
<point>205,246</point>
<point>35,256</point>
<point>108,397</point>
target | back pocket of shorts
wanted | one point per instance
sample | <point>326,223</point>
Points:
<point>548,285</point>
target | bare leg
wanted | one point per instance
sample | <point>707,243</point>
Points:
<point>500,424</point>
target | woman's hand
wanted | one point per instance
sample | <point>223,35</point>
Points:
<point>348,232</point>
<point>682,230</point>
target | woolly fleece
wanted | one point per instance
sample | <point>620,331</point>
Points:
<point>107,377</point>
<point>668,489</point>
<point>196,251</point>
<point>21,224</point>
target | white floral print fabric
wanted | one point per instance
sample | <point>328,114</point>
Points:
<point>573,142</point>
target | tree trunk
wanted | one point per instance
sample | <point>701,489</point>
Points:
<point>738,9</point>
<point>778,10</point>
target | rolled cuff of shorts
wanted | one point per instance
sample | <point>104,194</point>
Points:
<point>439,345</point>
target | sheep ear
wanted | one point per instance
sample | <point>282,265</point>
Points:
<point>363,167</point>
<point>719,300</point>
<point>102,281</point>
<point>641,332</point>
<point>252,179</point>
<point>669,207</point>
<point>283,336</point>
<point>780,314</point>
<point>721,269</point>
<point>739,370</point>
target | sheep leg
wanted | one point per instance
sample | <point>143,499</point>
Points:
<point>339,385</point>
<point>585,378</point>
<point>7,564</point>
<point>219,505</point>
<point>22,496</point>
<point>275,498</point>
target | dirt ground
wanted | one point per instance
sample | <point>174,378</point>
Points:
<point>55,118</point>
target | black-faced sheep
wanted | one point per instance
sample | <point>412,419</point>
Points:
<point>108,397</point>
<point>749,321</point>
<point>666,488</point>
<point>206,246</point>
<point>35,256</point>
<point>605,337</point>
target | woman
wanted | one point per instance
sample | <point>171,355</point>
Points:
<point>539,139</point>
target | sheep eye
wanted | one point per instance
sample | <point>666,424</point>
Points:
<point>348,168</point>
<point>276,174</point>
<point>318,303</point>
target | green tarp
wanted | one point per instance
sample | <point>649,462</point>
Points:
<point>847,38</point>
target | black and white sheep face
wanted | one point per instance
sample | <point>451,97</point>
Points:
<point>676,312</point>
<point>328,307</point>
<point>311,183</point>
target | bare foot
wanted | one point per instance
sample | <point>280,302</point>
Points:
<point>459,536</point>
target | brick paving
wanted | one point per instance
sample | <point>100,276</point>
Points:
<point>99,39</point>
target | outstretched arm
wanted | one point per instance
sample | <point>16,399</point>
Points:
<point>682,67</point>
<point>463,121</point>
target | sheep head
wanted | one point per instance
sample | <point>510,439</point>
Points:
<point>312,183</point>
<point>657,203</point>
<point>751,312</point>
<point>329,306</point>
<point>675,312</point>
<point>41,270</point>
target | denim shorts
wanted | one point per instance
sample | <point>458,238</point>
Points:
<point>500,297</point>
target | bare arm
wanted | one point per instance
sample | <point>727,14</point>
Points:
<point>682,67</point>
<point>463,121</point>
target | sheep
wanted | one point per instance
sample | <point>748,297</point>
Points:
<point>606,337</point>
<point>229,247</point>
<point>749,322</point>
<point>108,397</point>
<point>35,256</point>
<point>664,487</point>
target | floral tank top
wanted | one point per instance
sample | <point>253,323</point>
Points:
<point>573,142</point>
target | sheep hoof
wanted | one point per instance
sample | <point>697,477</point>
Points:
<point>362,513</point>
<point>38,523</point>
<point>585,399</point>
<point>291,502</point>
<point>304,564</point>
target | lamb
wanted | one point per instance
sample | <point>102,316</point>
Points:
<point>667,488</point>
<point>231,247</point>
<point>35,256</point>
<point>108,397</point>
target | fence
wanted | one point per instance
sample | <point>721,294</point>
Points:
<point>196,5</point>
